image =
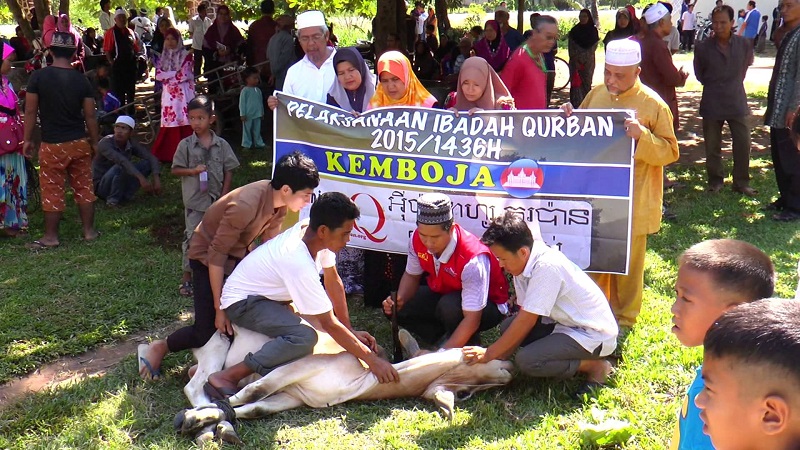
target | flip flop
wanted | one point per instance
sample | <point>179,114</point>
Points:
<point>587,388</point>
<point>154,374</point>
<point>39,245</point>
<point>215,393</point>
<point>186,289</point>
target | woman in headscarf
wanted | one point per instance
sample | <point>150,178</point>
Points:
<point>175,70</point>
<point>624,27</point>
<point>157,46</point>
<point>425,67</point>
<point>637,24</point>
<point>582,43</point>
<point>492,47</point>
<point>222,42</point>
<point>354,85</point>
<point>398,85</point>
<point>65,26</point>
<point>48,28</point>
<point>480,88</point>
<point>13,177</point>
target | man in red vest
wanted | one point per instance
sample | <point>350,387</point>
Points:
<point>466,290</point>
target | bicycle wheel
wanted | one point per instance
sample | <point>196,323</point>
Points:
<point>562,74</point>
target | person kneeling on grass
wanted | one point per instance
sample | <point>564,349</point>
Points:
<point>751,398</point>
<point>565,324</point>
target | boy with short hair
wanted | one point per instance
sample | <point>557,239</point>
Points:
<point>752,376</point>
<point>565,324</point>
<point>713,276</point>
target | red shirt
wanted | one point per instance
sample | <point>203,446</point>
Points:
<point>525,80</point>
<point>449,277</point>
<point>258,36</point>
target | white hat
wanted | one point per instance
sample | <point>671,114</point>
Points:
<point>126,120</point>
<point>655,13</point>
<point>310,19</point>
<point>623,52</point>
<point>120,12</point>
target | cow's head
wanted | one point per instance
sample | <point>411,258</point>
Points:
<point>463,380</point>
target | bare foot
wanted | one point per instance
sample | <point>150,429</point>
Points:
<point>596,370</point>
<point>154,356</point>
<point>91,236</point>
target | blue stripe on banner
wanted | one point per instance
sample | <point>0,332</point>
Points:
<point>559,178</point>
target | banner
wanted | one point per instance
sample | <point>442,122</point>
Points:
<point>571,177</point>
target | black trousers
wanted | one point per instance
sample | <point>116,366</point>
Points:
<point>786,162</point>
<point>197,334</point>
<point>123,81</point>
<point>433,316</point>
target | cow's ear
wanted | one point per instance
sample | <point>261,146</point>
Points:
<point>443,398</point>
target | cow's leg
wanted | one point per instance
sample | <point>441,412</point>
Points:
<point>279,378</point>
<point>281,401</point>
<point>189,422</point>
<point>210,359</point>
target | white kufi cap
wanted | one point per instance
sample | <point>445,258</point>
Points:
<point>126,120</point>
<point>310,19</point>
<point>655,13</point>
<point>623,52</point>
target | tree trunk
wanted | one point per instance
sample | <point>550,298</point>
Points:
<point>42,10</point>
<point>19,16</point>
<point>521,15</point>
<point>63,7</point>
<point>595,14</point>
<point>441,16</point>
<point>387,20</point>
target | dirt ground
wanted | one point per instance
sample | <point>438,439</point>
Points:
<point>98,361</point>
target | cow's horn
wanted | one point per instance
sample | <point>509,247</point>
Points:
<point>227,433</point>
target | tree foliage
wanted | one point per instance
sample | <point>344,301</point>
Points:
<point>363,8</point>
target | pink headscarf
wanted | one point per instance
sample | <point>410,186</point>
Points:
<point>172,59</point>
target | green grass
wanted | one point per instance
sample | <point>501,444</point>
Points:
<point>63,301</point>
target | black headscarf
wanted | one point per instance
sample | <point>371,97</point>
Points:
<point>352,100</point>
<point>585,35</point>
<point>621,33</point>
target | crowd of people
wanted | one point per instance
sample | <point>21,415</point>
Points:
<point>568,321</point>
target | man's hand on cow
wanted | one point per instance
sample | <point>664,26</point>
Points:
<point>473,354</point>
<point>367,340</point>
<point>382,369</point>
<point>222,324</point>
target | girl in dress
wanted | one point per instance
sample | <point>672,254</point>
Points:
<point>13,177</point>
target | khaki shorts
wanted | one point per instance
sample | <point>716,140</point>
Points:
<point>71,159</point>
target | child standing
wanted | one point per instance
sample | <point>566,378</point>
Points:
<point>752,375</point>
<point>564,326</point>
<point>204,161</point>
<point>761,38</point>
<point>251,109</point>
<point>713,276</point>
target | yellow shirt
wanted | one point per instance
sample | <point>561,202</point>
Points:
<point>656,148</point>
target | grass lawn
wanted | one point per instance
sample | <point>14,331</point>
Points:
<point>64,301</point>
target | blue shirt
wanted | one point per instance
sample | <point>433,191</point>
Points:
<point>752,20</point>
<point>689,431</point>
<point>110,102</point>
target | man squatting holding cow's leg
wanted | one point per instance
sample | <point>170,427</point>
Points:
<point>285,271</point>
<point>565,324</point>
<point>466,290</point>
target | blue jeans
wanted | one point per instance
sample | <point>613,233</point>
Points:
<point>118,186</point>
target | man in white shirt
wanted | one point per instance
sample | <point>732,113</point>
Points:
<point>198,26</point>
<point>285,271</point>
<point>143,27</point>
<point>564,325</point>
<point>106,18</point>
<point>466,290</point>
<point>420,17</point>
<point>312,77</point>
<point>688,19</point>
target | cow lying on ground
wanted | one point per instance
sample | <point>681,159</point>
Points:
<point>327,377</point>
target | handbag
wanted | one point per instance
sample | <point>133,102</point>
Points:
<point>12,133</point>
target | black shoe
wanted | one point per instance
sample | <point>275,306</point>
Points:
<point>777,205</point>
<point>787,215</point>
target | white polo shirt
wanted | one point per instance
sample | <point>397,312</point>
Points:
<point>306,81</point>
<point>282,269</point>
<point>555,288</point>
<point>198,28</point>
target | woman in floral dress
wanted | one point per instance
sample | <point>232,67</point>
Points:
<point>175,71</point>
<point>13,177</point>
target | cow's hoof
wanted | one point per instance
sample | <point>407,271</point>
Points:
<point>205,436</point>
<point>227,433</point>
<point>177,422</point>
<point>197,419</point>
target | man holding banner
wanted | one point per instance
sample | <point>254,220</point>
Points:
<point>656,146</point>
<point>466,291</point>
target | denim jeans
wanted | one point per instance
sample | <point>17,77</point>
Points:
<point>118,186</point>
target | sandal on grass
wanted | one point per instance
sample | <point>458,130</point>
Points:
<point>186,289</point>
<point>39,245</point>
<point>151,374</point>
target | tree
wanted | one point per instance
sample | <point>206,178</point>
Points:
<point>16,10</point>
<point>42,10</point>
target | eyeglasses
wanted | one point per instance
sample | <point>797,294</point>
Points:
<point>314,37</point>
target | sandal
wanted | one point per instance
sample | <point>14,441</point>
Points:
<point>186,289</point>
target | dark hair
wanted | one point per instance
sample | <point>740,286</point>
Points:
<point>267,7</point>
<point>476,29</point>
<point>751,3</point>
<point>734,266</point>
<point>104,83</point>
<point>62,52</point>
<point>159,9</point>
<point>764,18</point>
<point>724,8</point>
<point>295,170</point>
<point>249,71</point>
<point>430,27</point>
<point>201,102</point>
<point>133,13</point>
<point>103,63</point>
<point>225,7</point>
<point>508,231</point>
<point>332,209</point>
<point>541,20</point>
<point>202,7</point>
<point>18,28</point>
<point>758,334</point>
<point>104,3</point>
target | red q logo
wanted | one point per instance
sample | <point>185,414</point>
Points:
<point>381,219</point>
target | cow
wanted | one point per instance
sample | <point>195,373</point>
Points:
<point>327,377</point>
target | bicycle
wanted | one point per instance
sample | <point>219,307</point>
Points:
<point>562,74</point>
